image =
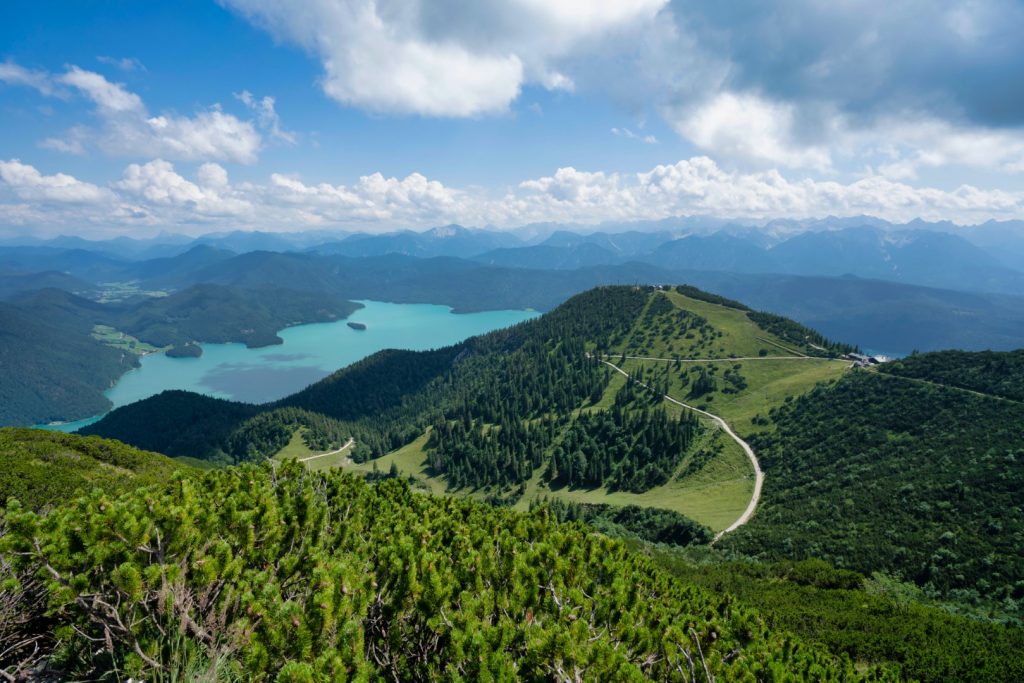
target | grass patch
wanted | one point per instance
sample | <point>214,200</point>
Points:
<point>120,340</point>
<point>296,448</point>
<point>768,384</point>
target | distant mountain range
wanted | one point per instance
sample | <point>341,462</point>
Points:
<point>982,258</point>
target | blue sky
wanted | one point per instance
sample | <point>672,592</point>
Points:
<point>133,117</point>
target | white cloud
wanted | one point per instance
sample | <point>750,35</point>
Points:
<point>111,98</point>
<point>124,63</point>
<point>156,196</point>
<point>210,134</point>
<point>751,130</point>
<point>700,186</point>
<point>441,58</point>
<point>127,127</point>
<point>157,184</point>
<point>630,135</point>
<point>14,74</point>
<point>373,199</point>
<point>268,118</point>
<point>27,183</point>
<point>72,143</point>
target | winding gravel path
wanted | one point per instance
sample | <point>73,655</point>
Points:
<point>758,474</point>
<point>324,455</point>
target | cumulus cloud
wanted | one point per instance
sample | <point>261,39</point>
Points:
<point>750,129</point>
<point>441,58</point>
<point>111,98</point>
<point>804,84</point>
<point>824,86</point>
<point>950,58</point>
<point>27,183</point>
<point>127,128</point>
<point>157,185</point>
<point>156,195</point>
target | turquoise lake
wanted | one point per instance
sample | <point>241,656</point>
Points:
<point>309,353</point>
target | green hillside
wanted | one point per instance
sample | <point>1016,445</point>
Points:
<point>42,469</point>
<point>985,372</point>
<point>599,413</point>
<point>52,369</point>
<point>217,314</point>
<point>884,473</point>
<point>872,621</point>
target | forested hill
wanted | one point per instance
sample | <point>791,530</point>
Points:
<point>986,372</point>
<point>543,368</point>
<point>911,487</point>
<point>885,473</point>
<point>52,369</point>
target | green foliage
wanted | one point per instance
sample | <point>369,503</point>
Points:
<point>836,609</point>
<point>265,434</point>
<point>666,330</point>
<point>178,423</point>
<point>289,575</point>
<point>479,455</point>
<point>703,382</point>
<point>188,350</point>
<point>375,384</point>
<point>987,372</point>
<point>881,474</point>
<point>43,468</point>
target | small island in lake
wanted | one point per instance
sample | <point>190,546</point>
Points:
<point>189,350</point>
<point>357,326</point>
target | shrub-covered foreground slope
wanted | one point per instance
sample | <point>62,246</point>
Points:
<point>42,469</point>
<point>290,575</point>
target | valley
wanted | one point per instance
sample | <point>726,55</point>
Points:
<point>398,341</point>
<point>715,440</point>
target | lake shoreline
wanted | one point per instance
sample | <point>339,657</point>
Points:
<point>307,353</point>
